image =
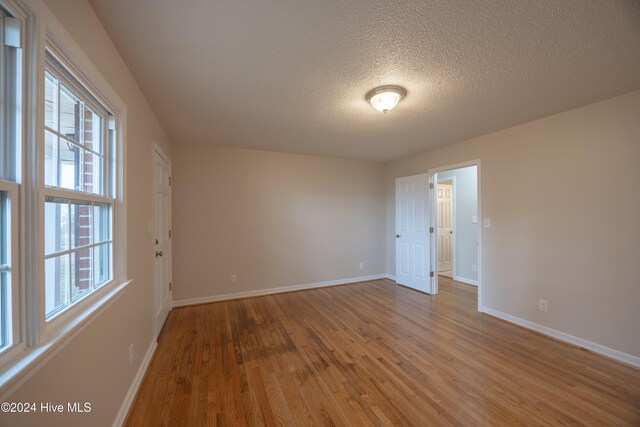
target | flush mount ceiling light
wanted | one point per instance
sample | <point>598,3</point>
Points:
<point>385,98</point>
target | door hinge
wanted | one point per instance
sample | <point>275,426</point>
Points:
<point>430,229</point>
<point>431,274</point>
<point>169,181</point>
<point>169,285</point>
<point>169,233</point>
<point>431,186</point>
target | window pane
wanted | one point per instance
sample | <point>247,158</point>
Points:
<point>77,169</point>
<point>56,227</point>
<point>102,264</point>
<point>51,101</point>
<point>10,109</point>
<point>5,281</point>
<point>51,159</point>
<point>90,173</point>
<point>82,225</point>
<point>5,274</point>
<point>70,109</point>
<point>102,222</point>
<point>74,225</point>
<point>5,227</point>
<point>71,224</point>
<point>92,135</point>
<point>82,272</point>
<point>57,280</point>
<point>68,172</point>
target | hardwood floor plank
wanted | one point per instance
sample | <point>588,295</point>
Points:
<point>376,354</point>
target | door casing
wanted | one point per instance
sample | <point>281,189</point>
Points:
<point>167,249</point>
<point>452,182</point>
<point>433,177</point>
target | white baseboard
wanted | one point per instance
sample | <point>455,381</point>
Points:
<point>390,277</point>
<point>131,394</point>
<point>562,336</point>
<point>465,280</point>
<point>271,291</point>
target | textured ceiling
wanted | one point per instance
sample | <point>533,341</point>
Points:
<point>291,76</point>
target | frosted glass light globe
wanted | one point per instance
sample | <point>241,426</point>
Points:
<point>385,98</point>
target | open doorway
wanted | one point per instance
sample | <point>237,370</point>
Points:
<point>429,244</point>
<point>456,236</point>
<point>445,218</point>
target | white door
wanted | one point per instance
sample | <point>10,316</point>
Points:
<point>162,235</point>
<point>445,228</point>
<point>412,232</point>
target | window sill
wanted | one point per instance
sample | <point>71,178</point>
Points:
<point>27,362</point>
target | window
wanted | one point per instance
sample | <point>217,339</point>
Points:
<point>62,201</point>
<point>5,270</point>
<point>10,177</point>
<point>78,192</point>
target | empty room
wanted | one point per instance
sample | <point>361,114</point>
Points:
<point>247,213</point>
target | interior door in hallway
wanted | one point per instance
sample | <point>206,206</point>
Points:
<point>162,233</point>
<point>445,228</point>
<point>412,232</point>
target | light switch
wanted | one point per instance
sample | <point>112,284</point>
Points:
<point>487,223</point>
<point>474,219</point>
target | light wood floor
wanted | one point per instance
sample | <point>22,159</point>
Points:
<point>373,354</point>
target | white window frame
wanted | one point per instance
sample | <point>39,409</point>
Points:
<point>108,167</point>
<point>41,339</point>
<point>14,188</point>
<point>15,318</point>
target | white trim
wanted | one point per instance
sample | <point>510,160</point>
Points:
<point>454,209</point>
<point>563,336</point>
<point>272,291</point>
<point>465,280</point>
<point>80,196</point>
<point>390,277</point>
<point>36,357</point>
<point>14,327</point>
<point>158,151</point>
<point>133,390</point>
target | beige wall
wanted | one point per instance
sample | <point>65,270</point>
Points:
<point>273,219</point>
<point>94,366</point>
<point>562,193</point>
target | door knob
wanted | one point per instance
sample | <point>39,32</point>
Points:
<point>397,236</point>
<point>159,254</point>
<point>451,232</point>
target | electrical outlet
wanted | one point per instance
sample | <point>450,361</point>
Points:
<point>543,305</point>
<point>233,279</point>
<point>474,268</point>
<point>131,355</point>
<point>487,223</point>
<point>361,265</point>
